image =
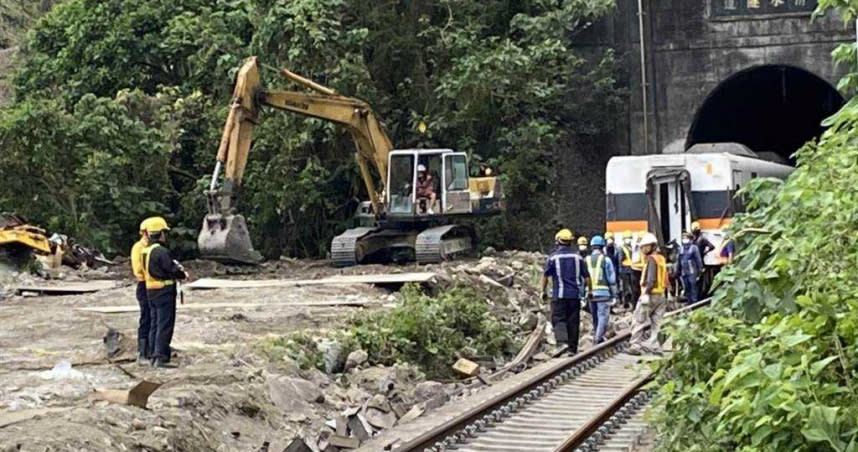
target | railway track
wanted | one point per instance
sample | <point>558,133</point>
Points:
<point>591,402</point>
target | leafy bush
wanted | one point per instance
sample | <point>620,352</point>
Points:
<point>432,332</point>
<point>772,366</point>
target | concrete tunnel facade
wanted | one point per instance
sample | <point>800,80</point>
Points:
<point>716,70</point>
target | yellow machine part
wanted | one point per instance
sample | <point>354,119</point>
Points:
<point>485,186</point>
<point>27,236</point>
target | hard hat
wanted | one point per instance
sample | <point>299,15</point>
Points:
<point>597,240</point>
<point>144,223</point>
<point>421,168</point>
<point>648,239</point>
<point>627,234</point>
<point>695,226</point>
<point>564,235</point>
<point>156,224</point>
<point>582,240</point>
<point>609,235</point>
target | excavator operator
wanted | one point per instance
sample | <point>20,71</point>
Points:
<point>426,187</point>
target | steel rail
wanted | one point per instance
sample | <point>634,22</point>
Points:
<point>457,425</point>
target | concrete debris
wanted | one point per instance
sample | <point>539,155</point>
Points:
<point>431,393</point>
<point>293,396</point>
<point>332,352</point>
<point>466,367</point>
<point>355,359</point>
<point>380,419</point>
<point>297,445</point>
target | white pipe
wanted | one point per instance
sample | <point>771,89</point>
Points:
<point>644,99</point>
<point>215,175</point>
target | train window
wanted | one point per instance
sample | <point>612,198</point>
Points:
<point>754,175</point>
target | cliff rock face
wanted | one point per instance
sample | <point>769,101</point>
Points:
<point>16,17</point>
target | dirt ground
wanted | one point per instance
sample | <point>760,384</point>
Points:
<point>226,395</point>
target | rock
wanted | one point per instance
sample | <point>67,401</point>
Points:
<point>355,359</point>
<point>297,445</point>
<point>428,389</point>
<point>379,402</point>
<point>489,251</point>
<point>380,419</point>
<point>344,442</point>
<point>333,355</point>
<point>293,395</point>
<point>528,321</point>
<point>138,424</point>
<point>466,367</point>
<point>431,393</point>
<point>360,428</point>
<point>357,395</point>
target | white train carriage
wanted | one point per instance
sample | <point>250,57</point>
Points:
<point>665,193</point>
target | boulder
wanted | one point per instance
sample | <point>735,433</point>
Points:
<point>355,359</point>
<point>293,396</point>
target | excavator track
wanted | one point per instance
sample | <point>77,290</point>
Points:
<point>442,243</point>
<point>344,247</point>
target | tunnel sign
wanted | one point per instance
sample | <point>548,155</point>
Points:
<point>732,8</point>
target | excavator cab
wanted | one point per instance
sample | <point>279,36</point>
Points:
<point>431,183</point>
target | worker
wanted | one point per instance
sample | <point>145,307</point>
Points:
<point>567,270</point>
<point>690,267</point>
<point>704,246</point>
<point>144,349</point>
<point>726,252</point>
<point>604,287</point>
<point>161,275</point>
<point>627,284</point>
<point>612,250</point>
<point>582,245</point>
<point>652,303</point>
<point>426,187</point>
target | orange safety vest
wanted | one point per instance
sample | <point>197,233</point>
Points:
<point>661,279</point>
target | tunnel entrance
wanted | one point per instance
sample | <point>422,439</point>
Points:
<point>771,108</point>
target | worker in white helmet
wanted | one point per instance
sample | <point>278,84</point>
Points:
<point>652,303</point>
<point>426,187</point>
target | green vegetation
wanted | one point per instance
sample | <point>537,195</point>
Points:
<point>119,105</point>
<point>772,366</point>
<point>430,332</point>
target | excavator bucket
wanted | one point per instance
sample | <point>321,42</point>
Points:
<point>224,238</point>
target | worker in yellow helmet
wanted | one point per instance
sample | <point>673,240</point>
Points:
<point>570,281</point>
<point>582,245</point>
<point>137,268</point>
<point>162,272</point>
<point>652,304</point>
<point>628,286</point>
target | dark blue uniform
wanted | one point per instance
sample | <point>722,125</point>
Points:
<point>567,270</point>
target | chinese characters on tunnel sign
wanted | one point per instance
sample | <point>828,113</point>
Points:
<point>727,8</point>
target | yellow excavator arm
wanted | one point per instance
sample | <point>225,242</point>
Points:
<point>224,235</point>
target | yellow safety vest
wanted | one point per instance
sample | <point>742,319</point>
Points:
<point>627,256</point>
<point>596,271</point>
<point>137,263</point>
<point>152,282</point>
<point>661,278</point>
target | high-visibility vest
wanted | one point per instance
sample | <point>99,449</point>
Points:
<point>152,282</point>
<point>640,263</point>
<point>661,278</point>
<point>596,275</point>
<point>137,263</point>
<point>627,256</point>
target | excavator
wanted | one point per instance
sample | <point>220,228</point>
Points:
<point>411,214</point>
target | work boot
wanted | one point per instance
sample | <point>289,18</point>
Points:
<point>142,360</point>
<point>161,364</point>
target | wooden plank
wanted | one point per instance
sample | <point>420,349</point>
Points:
<point>68,288</point>
<point>192,306</point>
<point>394,278</point>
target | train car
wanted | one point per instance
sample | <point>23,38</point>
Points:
<point>665,193</point>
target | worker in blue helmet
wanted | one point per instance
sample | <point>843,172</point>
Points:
<point>603,279</point>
